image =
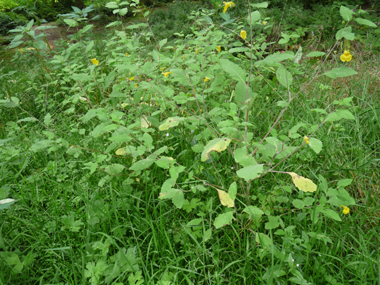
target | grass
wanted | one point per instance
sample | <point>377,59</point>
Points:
<point>77,220</point>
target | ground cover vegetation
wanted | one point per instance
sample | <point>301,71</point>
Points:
<point>236,148</point>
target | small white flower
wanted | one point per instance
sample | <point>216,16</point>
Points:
<point>232,167</point>
<point>298,265</point>
<point>167,134</point>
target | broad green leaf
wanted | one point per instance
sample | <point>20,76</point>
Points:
<point>47,119</point>
<point>253,211</point>
<point>207,235</point>
<point>302,183</point>
<point>255,16</point>
<point>316,54</point>
<point>218,145</point>
<point>162,43</point>
<point>345,33</point>
<point>243,158</point>
<point>165,162</point>
<point>273,223</point>
<point>232,191</point>
<point>315,145</point>
<point>5,203</point>
<point>175,194</point>
<point>235,71</point>
<point>260,5</point>
<point>223,219</point>
<point>41,145</point>
<point>142,164</point>
<point>284,77</point>
<point>340,72</point>
<point>346,13</point>
<point>28,119</point>
<point>225,199</point>
<point>170,123</point>
<point>250,172</point>
<point>240,94</point>
<point>365,22</point>
<point>110,77</point>
<point>299,204</point>
<point>263,239</point>
<point>340,114</point>
<point>343,183</point>
<point>114,169</point>
<point>331,214</point>
<point>274,59</point>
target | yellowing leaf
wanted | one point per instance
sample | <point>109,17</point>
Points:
<point>170,122</point>
<point>302,183</point>
<point>144,122</point>
<point>120,151</point>
<point>225,199</point>
<point>218,145</point>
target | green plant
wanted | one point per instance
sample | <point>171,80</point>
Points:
<point>10,20</point>
<point>176,162</point>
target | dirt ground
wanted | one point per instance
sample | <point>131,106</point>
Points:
<point>55,33</point>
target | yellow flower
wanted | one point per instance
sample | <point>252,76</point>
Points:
<point>136,85</point>
<point>166,73</point>
<point>206,79</point>
<point>163,69</point>
<point>94,61</point>
<point>346,210</point>
<point>305,138</point>
<point>127,54</point>
<point>196,49</point>
<point>227,5</point>
<point>131,78</point>
<point>219,48</point>
<point>346,56</point>
<point>243,34</point>
<point>264,23</point>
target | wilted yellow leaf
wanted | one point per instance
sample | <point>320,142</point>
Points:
<point>144,122</point>
<point>302,183</point>
<point>120,151</point>
<point>217,145</point>
<point>225,199</point>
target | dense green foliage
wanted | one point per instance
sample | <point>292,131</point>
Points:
<point>217,153</point>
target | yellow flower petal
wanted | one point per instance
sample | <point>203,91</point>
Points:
<point>346,210</point>
<point>346,56</point>
<point>166,73</point>
<point>243,34</point>
<point>227,5</point>
<point>206,79</point>
<point>131,78</point>
<point>94,61</point>
<point>219,48</point>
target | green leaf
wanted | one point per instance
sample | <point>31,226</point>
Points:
<point>299,204</point>
<point>243,158</point>
<point>41,145</point>
<point>315,145</point>
<point>346,13</point>
<point>345,33</point>
<point>162,43</point>
<point>207,235</point>
<point>110,77</point>
<point>253,211</point>
<point>114,169</point>
<point>218,145</point>
<point>223,219</point>
<point>250,172</point>
<point>4,192</point>
<point>235,71</point>
<point>263,239</point>
<point>340,72</point>
<point>273,223</point>
<point>142,164</point>
<point>176,195</point>
<point>365,22</point>
<point>232,191</point>
<point>47,119</point>
<point>255,16</point>
<point>240,94</point>
<point>316,54</point>
<point>340,114</point>
<point>284,77</point>
<point>5,203</point>
<point>260,5</point>
<point>165,162</point>
<point>170,123</point>
<point>331,214</point>
<point>274,59</point>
